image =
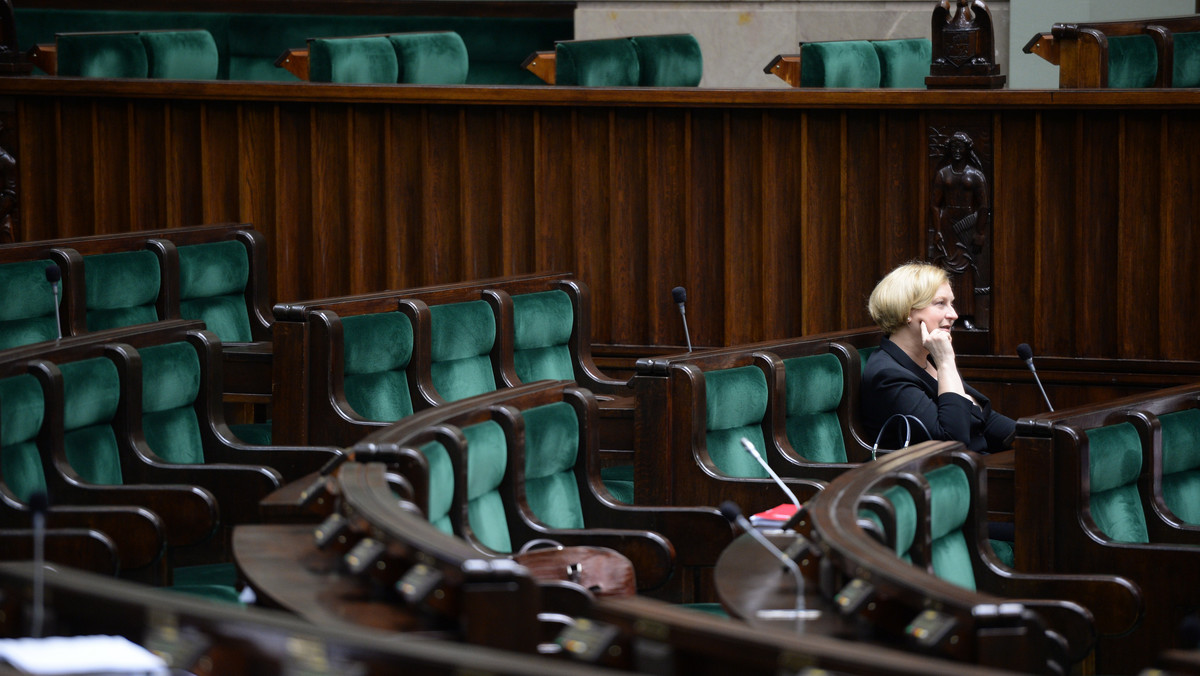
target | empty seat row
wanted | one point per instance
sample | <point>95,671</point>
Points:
<point>1131,53</point>
<point>639,61</point>
<point>162,54</point>
<point>409,58</point>
<point>859,64</point>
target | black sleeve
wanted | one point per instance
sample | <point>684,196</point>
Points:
<point>947,419</point>
<point>998,430</point>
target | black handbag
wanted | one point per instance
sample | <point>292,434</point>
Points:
<point>908,421</point>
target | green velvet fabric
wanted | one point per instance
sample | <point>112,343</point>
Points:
<point>104,55</point>
<point>904,63</point>
<point>430,58</point>
<point>212,287</point>
<point>91,392</point>
<point>441,486</point>
<point>618,479</point>
<point>950,501</point>
<point>1181,463</point>
<point>377,349</point>
<point>21,414</point>
<point>843,63</point>
<point>1115,452</point>
<point>906,519</point>
<point>215,582</point>
<point>864,354</point>
<point>170,385</point>
<point>1186,72</point>
<point>27,315</point>
<point>668,60</point>
<point>487,458</point>
<point>181,55</point>
<point>1004,551</point>
<point>551,447</point>
<point>255,434</point>
<point>1132,61</point>
<point>121,289</point>
<point>462,338</point>
<point>736,402</point>
<point>597,63</point>
<point>542,325</point>
<point>814,391</point>
<point>352,60</point>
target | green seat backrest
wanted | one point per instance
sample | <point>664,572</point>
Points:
<point>551,449</point>
<point>104,55</point>
<point>1186,72</point>
<point>906,520</point>
<point>181,55</point>
<point>487,459</point>
<point>430,58</point>
<point>542,324</point>
<point>668,60</point>
<point>212,288</point>
<point>736,405</point>
<point>842,63</point>
<point>170,385</point>
<point>377,349</point>
<point>352,60</point>
<point>122,289</point>
<point>21,414</point>
<point>814,392</point>
<point>441,486</point>
<point>864,354</point>
<point>1132,61</point>
<point>1181,463</point>
<point>949,504</point>
<point>27,314</point>
<point>462,338</point>
<point>91,392</point>
<point>597,63</point>
<point>903,63</point>
<point>1115,454</point>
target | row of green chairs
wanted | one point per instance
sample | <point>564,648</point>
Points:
<point>639,61</point>
<point>858,64</point>
<point>161,54</point>
<point>410,58</point>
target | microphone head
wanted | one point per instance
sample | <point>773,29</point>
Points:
<point>1024,351</point>
<point>749,446</point>
<point>730,511</point>
<point>39,502</point>
<point>53,274</point>
<point>679,294</point>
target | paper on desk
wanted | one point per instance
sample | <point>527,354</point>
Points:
<point>81,655</point>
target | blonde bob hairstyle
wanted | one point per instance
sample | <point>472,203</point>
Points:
<point>911,286</point>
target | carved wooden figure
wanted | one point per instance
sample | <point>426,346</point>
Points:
<point>961,204</point>
<point>12,61</point>
<point>964,47</point>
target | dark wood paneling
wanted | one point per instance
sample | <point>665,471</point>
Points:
<point>743,233</point>
<point>1180,257</point>
<point>668,192</point>
<point>703,233</point>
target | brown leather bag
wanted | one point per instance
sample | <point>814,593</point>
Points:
<point>602,571</point>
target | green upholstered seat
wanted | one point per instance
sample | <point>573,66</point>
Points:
<point>668,60</point>
<point>1132,61</point>
<point>27,314</point>
<point>1115,461</point>
<point>551,450</point>
<point>814,392</point>
<point>487,460</point>
<point>170,385</point>
<point>377,349</point>
<point>441,486</point>
<point>864,354</point>
<point>430,58</point>
<point>618,479</point>
<point>181,55</point>
<point>91,392</point>
<point>462,336</point>
<point>949,504</point>
<point>1186,68</point>
<point>106,55</point>
<point>736,401</point>
<point>352,60</point>
<point>542,325</point>
<point>905,525</point>
<point>903,63</point>
<point>122,289</point>
<point>843,63</point>
<point>597,63</point>
<point>1181,463</point>
<point>212,288</point>
<point>21,414</point>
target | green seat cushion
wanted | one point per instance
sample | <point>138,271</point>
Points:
<point>377,349</point>
<point>618,479</point>
<point>1186,71</point>
<point>255,434</point>
<point>122,289</point>
<point>104,55</point>
<point>843,63</point>
<point>170,385</point>
<point>906,519</point>
<point>597,63</point>
<point>352,60</point>
<point>542,325</point>
<point>903,63</point>
<point>212,288</point>
<point>27,314</point>
<point>441,486</point>
<point>668,60</point>
<point>91,392</point>
<point>487,460</point>
<point>21,414</point>
<point>430,58</point>
<point>181,55</point>
<point>462,336</point>
<point>949,505</point>
<point>1181,463</point>
<point>814,392</point>
<point>551,448</point>
<point>736,402</point>
<point>1003,550</point>
<point>1132,61</point>
<point>1115,461</point>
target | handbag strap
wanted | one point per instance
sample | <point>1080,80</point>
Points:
<point>908,421</point>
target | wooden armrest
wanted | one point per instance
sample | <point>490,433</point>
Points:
<point>45,56</point>
<point>786,67</point>
<point>189,513</point>
<point>76,547</point>
<point>292,462</point>
<point>1043,45</point>
<point>136,531</point>
<point>699,534</point>
<point>541,64</point>
<point>294,61</point>
<point>237,488</point>
<point>1118,601</point>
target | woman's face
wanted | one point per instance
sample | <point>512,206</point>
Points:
<point>939,314</point>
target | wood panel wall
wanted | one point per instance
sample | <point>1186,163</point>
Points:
<point>778,210</point>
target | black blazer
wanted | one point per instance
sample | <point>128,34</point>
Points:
<point>893,383</point>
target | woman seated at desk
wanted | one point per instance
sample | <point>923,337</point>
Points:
<point>913,373</point>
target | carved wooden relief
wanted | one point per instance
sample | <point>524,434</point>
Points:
<point>964,47</point>
<point>8,181</point>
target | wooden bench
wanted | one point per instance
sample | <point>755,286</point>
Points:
<point>1128,53</point>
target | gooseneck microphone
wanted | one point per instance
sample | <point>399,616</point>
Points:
<point>749,446</point>
<point>53,274</point>
<point>1026,353</point>
<point>733,513</point>
<point>680,295</point>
